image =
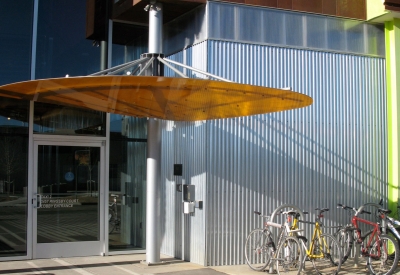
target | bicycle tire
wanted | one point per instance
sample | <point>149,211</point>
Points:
<point>393,234</point>
<point>387,263</point>
<point>289,256</point>
<point>345,239</point>
<point>326,255</point>
<point>257,250</point>
<point>111,224</point>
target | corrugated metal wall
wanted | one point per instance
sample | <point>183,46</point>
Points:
<point>332,152</point>
<point>184,235</point>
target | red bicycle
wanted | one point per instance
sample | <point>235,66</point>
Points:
<point>382,251</point>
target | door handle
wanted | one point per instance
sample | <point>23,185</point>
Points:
<point>38,201</point>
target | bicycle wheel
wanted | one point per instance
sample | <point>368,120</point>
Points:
<point>289,256</point>
<point>391,232</point>
<point>326,255</point>
<point>111,223</point>
<point>345,239</point>
<point>383,256</point>
<point>257,250</point>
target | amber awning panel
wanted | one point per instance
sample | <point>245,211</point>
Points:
<point>180,99</point>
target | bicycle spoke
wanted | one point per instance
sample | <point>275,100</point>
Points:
<point>326,255</point>
<point>383,256</point>
<point>111,225</point>
<point>345,240</point>
<point>289,256</point>
<point>257,251</point>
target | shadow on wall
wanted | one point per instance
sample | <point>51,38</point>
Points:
<point>259,163</point>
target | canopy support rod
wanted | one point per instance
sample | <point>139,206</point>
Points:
<point>119,67</point>
<point>146,66</point>
<point>197,70</point>
<point>138,62</point>
<point>172,68</point>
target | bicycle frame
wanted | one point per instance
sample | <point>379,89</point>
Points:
<point>316,235</point>
<point>283,229</point>
<point>376,232</point>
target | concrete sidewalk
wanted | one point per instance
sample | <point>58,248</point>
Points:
<point>131,264</point>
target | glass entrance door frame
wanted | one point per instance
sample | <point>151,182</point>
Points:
<point>84,248</point>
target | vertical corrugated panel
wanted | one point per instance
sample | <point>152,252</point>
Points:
<point>333,151</point>
<point>185,30</point>
<point>184,143</point>
<point>170,207</point>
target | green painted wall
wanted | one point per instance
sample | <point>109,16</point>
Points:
<point>392,40</point>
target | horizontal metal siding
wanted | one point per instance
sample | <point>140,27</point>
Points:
<point>331,152</point>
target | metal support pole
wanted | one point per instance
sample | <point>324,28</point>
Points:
<point>153,218</point>
<point>153,232</point>
<point>155,27</point>
<point>103,55</point>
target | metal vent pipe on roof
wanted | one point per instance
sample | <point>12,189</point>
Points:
<point>155,27</point>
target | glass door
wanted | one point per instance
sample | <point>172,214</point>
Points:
<point>67,199</point>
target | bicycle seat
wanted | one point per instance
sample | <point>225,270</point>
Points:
<point>385,211</point>
<point>323,209</point>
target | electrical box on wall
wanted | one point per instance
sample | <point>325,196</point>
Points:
<point>177,169</point>
<point>188,207</point>
<point>188,192</point>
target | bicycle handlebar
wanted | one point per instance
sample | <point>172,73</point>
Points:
<point>339,205</point>
<point>359,211</point>
<point>322,209</point>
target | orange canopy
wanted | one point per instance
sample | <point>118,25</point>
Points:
<point>180,99</point>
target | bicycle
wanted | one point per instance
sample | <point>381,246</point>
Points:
<point>346,237</point>
<point>113,220</point>
<point>260,248</point>
<point>324,251</point>
<point>381,250</point>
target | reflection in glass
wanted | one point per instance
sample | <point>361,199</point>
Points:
<point>127,183</point>
<point>16,40</point>
<point>61,44</point>
<point>63,120</point>
<point>13,176</point>
<point>67,200</point>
